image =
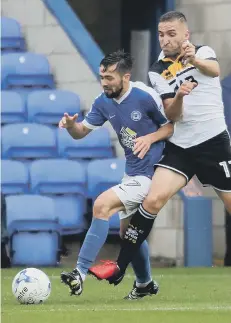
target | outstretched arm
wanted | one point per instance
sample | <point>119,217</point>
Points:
<point>76,130</point>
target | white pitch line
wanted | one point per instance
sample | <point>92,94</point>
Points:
<point>154,309</point>
<point>165,276</point>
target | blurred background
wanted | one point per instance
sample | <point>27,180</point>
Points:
<point>51,50</point>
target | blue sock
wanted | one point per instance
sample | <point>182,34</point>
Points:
<point>141,264</point>
<point>93,242</point>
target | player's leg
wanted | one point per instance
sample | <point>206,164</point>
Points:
<point>226,198</point>
<point>213,163</point>
<point>176,168</point>
<point>105,206</point>
<point>143,285</point>
<point>165,184</point>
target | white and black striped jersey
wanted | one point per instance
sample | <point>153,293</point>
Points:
<point>203,114</point>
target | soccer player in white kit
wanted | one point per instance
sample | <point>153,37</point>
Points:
<point>200,144</point>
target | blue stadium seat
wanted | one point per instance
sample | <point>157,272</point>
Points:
<point>95,145</point>
<point>70,210</point>
<point>11,36</point>
<point>15,177</point>
<point>27,140</point>
<point>13,107</point>
<point>35,243</point>
<point>33,230</point>
<point>102,175</point>
<point>57,176</point>
<point>48,106</point>
<point>26,70</point>
<point>30,207</point>
<point>67,177</point>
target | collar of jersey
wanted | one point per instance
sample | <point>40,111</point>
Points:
<point>167,59</point>
<point>126,94</point>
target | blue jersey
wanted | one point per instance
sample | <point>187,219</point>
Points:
<point>137,113</point>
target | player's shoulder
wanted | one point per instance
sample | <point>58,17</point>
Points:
<point>99,99</point>
<point>159,66</point>
<point>145,91</point>
<point>205,51</point>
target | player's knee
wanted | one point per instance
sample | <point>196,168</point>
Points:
<point>100,210</point>
<point>154,203</point>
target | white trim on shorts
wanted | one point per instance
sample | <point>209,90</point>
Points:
<point>131,197</point>
<point>174,169</point>
<point>220,190</point>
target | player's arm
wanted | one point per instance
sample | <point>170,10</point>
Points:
<point>143,144</point>
<point>94,119</point>
<point>76,130</point>
<point>174,107</point>
<point>204,60</point>
<point>172,102</point>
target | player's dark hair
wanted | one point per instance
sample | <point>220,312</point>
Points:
<point>173,15</point>
<point>123,60</point>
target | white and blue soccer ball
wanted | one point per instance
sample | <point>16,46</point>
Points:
<point>31,286</point>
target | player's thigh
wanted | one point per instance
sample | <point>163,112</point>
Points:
<point>132,191</point>
<point>213,164</point>
<point>226,198</point>
<point>165,183</point>
<point>107,204</point>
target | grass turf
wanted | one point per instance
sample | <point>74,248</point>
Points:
<point>186,295</point>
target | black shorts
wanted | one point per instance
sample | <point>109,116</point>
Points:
<point>210,161</point>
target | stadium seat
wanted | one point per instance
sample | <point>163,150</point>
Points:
<point>26,70</point>
<point>35,243</point>
<point>15,177</point>
<point>11,36</point>
<point>48,106</point>
<point>70,210</point>
<point>95,145</point>
<point>57,176</point>
<point>27,140</point>
<point>67,177</point>
<point>102,175</point>
<point>29,207</point>
<point>33,230</point>
<point>13,107</point>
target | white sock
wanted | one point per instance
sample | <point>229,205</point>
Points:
<point>142,285</point>
<point>83,276</point>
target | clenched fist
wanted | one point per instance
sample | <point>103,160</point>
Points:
<point>186,88</point>
<point>68,121</point>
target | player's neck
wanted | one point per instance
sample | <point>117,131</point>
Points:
<point>126,88</point>
<point>173,58</point>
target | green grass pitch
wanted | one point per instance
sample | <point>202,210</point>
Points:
<point>186,295</point>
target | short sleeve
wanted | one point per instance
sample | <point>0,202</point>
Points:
<point>157,109</point>
<point>160,85</point>
<point>206,52</point>
<point>95,117</point>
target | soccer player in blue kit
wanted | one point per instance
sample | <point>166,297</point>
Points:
<point>136,112</point>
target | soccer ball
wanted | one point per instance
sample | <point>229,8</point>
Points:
<point>31,286</point>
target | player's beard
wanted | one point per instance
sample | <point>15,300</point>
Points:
<point>114,94</point>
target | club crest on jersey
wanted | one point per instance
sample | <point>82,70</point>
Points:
<point>136,115</point>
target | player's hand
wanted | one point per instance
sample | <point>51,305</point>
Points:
<point>189,52</point>
<point>68,121</point>
<point>185,88</point>
<point>142,146</point>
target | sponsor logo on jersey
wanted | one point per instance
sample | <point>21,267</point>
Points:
<point>127,137</point>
